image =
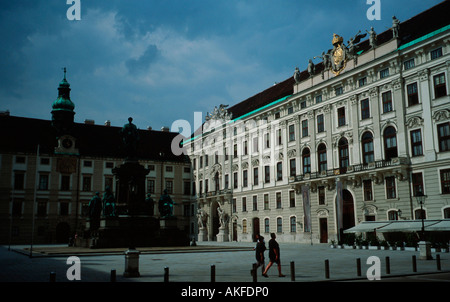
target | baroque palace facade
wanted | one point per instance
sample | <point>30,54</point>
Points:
<point>74,161</point>
<point>353,138</point>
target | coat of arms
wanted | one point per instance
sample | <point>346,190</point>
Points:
<point>338,55</point>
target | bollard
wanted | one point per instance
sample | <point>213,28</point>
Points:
<point>388,265</point>
<point>166,274</point>
<point>113,275</point>
<point>414,263</point>
<point>52,277</point>
<point>358,267</point>
<point>292,271</point>
<point>438,262</point>
<point>213,273</point>
<point>327,269</point>
<point>254,272</point>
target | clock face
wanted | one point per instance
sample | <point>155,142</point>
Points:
<point>67,143</point>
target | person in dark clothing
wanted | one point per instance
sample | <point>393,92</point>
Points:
<point>274,256</point>
<point>260,248</point>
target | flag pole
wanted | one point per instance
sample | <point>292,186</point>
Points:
<point>36,181</point>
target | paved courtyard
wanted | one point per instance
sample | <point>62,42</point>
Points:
<point>233,262</point>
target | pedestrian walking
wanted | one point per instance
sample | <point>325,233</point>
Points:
<point>260,248</point>
<point>274,255</point>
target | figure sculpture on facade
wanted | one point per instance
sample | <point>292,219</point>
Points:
<point>372,37</point>
<point>311,68</point>
<point>109,203</point>
<point>297,75</point>
<point>165,205</point>
<point>223,218</point>
<point>130,137</point>
<point>395,27</point>
<point>95,210</point>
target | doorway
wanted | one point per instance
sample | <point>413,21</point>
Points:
<point>255,228</point>
<point>323,224</point>
<point>215,224</point>
<point>348,210</point>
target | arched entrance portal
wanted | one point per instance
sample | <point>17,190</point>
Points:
<point>348,211</point>
<point>214,221</point>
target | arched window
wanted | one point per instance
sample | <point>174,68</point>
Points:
<point>306,159</point>
<point>447,213</point>
<point>266,225</point>
<point>390,143</point>
<point>367,147</point>
<point>343,155</point>
<point>393,215</point>
<point>419,214</point>
<point>322,156</point>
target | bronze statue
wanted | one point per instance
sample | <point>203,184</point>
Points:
<point>109,203</point>
<point>130,136</point>
<point>95,210</point>
<point>165,205</point>
<point>149,205</point>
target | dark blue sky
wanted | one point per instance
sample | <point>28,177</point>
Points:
<point>160,61</point>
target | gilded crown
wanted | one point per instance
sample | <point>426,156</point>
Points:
<point>337,39</point>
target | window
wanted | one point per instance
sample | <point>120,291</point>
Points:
<point>245,148</point>
<point>444,137</point>
<point>266,201</point>
<point>341,116</point>
<point>390,143</point>
<point>227,181</point>
<point>321,193</point>
<point>291,133</point>
<point>235,152</point>
<point>169,186</point>
<point>320,124</point>
<point>445,181</point>
<point>367,187</point>
<point>279,171</point>
<point>279,137</point>
<point>109,165</point>
<point>437,53</point>
<point>235,180</point>
<point>86,183</point>
<point>63,208</point>
<point>343,155</point>
<point>109,182</point>
<point>206,186</point>
<point>439,86</point>
<point>446,213</point>
<point>266,174</point>
<point>187,187</point>
<point>304,128</point>
<point>306,159</point>
<point>367,147</point>
<point>278,200</point>
<point>290,110</point>
<point>244,178</point>
<point>417,184</point>
<point>87,163</point>
<point>267,140</point>
<point>255,176</point>
<point>365,109</point>
<point>17,208</point>
<point>234,208</point>
<point>384,73</point>
<point>362,82</point>
<point>303,105</point>
<point>322,156</point>
<point>339,90</point>
<point>408,64</point>
<point>420,214</point>
<point>255,144</point>
<point>41,208</point>
<point>45,161</point>
<point>279,225</point>
<point>318,99</point>
<point>293,224</point>
<point>413,96</point>
<point>43,182</point>
<point>266,225</point>
<point>200,162</point>
<point>292,169</point>
<point>216,158</point>
<point>19,180</point>
<point>277,115</point>
<point>393,215</point>
<point>65,182</point>
<point>20,159</point>
<point>206,163</point>
<point>255,203</point>
<point>244,226</point>
<point>200,186</point>
<point>387,101</point>
<point>390,187</point>
<point>292,199</point>
<point>244,204</point>
<point>416,143</point>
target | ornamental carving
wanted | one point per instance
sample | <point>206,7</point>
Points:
<point>415,121</point>
<point>441,115</point>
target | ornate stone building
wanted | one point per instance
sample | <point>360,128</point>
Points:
<point>352,138</point>
<point>74,161</point>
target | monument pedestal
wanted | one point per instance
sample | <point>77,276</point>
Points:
<point>222,236</point>
<point>132,263</point>
<point>202,235</point>
<point>425,250</point>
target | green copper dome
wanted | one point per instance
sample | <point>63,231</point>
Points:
<point>63,101</point>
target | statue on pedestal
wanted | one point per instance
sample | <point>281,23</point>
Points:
<point>95,210</point>
<point>223,218</point>
<point>130,137</point>
<point>165,205</point>
<point>109,203</point>
<point>202,217</point>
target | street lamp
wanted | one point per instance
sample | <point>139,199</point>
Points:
<point>425,246</point>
